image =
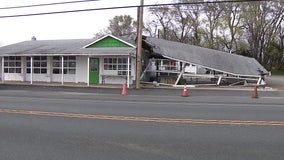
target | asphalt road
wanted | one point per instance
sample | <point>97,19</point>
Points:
<point>89,123</point>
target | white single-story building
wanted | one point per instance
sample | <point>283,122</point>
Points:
<point>106,60</point>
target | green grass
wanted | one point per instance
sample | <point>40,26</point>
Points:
<point>278,72</point>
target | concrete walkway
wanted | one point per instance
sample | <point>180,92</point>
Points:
<point>273,82</point>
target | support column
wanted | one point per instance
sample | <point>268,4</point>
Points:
<point>181,73</point>
<point>219,80</point>
<point>32,70</point>
<point>259,81</point>
<point>128,76</point>
<point>88,71</point>
<point>62,70</point>
<point>2,70</point>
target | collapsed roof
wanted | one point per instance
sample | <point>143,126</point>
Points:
<point>212,59</point>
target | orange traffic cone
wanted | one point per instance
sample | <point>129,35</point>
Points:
<point>124,92</point>
<point>255,95</point>
<point>185,92</point>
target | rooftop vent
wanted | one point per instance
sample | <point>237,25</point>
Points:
<point>33,38</point>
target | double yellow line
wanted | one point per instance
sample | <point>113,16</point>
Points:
<point>144,119</point>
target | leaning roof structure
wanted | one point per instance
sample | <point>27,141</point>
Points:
<point>212,59</point>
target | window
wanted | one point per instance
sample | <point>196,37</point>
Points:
<point>69,65</point>
<point>110,64</point>
<point>94,65</point>
<point>117,64</point>
<point>39,65</point>
<point>167,64</point>
<point>122,66</point>
<point>12,64</point>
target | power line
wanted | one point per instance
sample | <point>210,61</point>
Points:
<point>47,4</point>
<point>124,7</point>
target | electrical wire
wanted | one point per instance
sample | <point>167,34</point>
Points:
<point>125,7</point>
<point>47,4</point>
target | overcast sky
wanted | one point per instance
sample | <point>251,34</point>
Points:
<point>60,26</point>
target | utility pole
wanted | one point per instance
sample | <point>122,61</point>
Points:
<point>282,45</point>
<point>282,42</point>
<point>139,43</point>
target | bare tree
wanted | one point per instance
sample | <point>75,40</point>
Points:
<point>186,26</point>
<point>248,28</point>
<point>231,26</point>
<point>213,15</point>
<point>180,24</point>
<point>161,22</point>
<point>177,23</point>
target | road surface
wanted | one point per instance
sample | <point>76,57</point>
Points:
<point>82,123</point>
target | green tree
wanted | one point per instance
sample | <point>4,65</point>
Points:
<point>275,56</point>
<point>262,21</point>
<point>118,26</point>
<point>101,33</point>
<point>122,25</point>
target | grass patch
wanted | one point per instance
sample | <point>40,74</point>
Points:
<point>278,72</point>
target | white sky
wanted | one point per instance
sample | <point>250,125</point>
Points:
<point>78,25</point>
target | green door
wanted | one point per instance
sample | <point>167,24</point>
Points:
<point>94,70</point>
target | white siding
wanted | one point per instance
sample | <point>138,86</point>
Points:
<point>81,69</point>
<point>81,75</point>
<point>190,69</point>
<point>13,77</point>
<point>116,79</point>
<point>66,77</point>
<point>39,77</point>
<point>1,68</point>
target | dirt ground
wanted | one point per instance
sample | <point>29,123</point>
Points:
<point>276,82</point>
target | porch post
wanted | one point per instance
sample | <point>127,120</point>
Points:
<point>259,81</point>
<point>88,71</point>
<point>219,80</point>
<point>2,70</point>
<point>32,70</point>
<point>128,78</point>
<point>181,73</point>
<point>62,70</point>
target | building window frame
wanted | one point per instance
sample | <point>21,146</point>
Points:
<point>39,65</point>
<point>13,64</point>
<point>118,64</point>
<point>69,63</point>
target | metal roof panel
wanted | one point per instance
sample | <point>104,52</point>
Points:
<point>214,59</point>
